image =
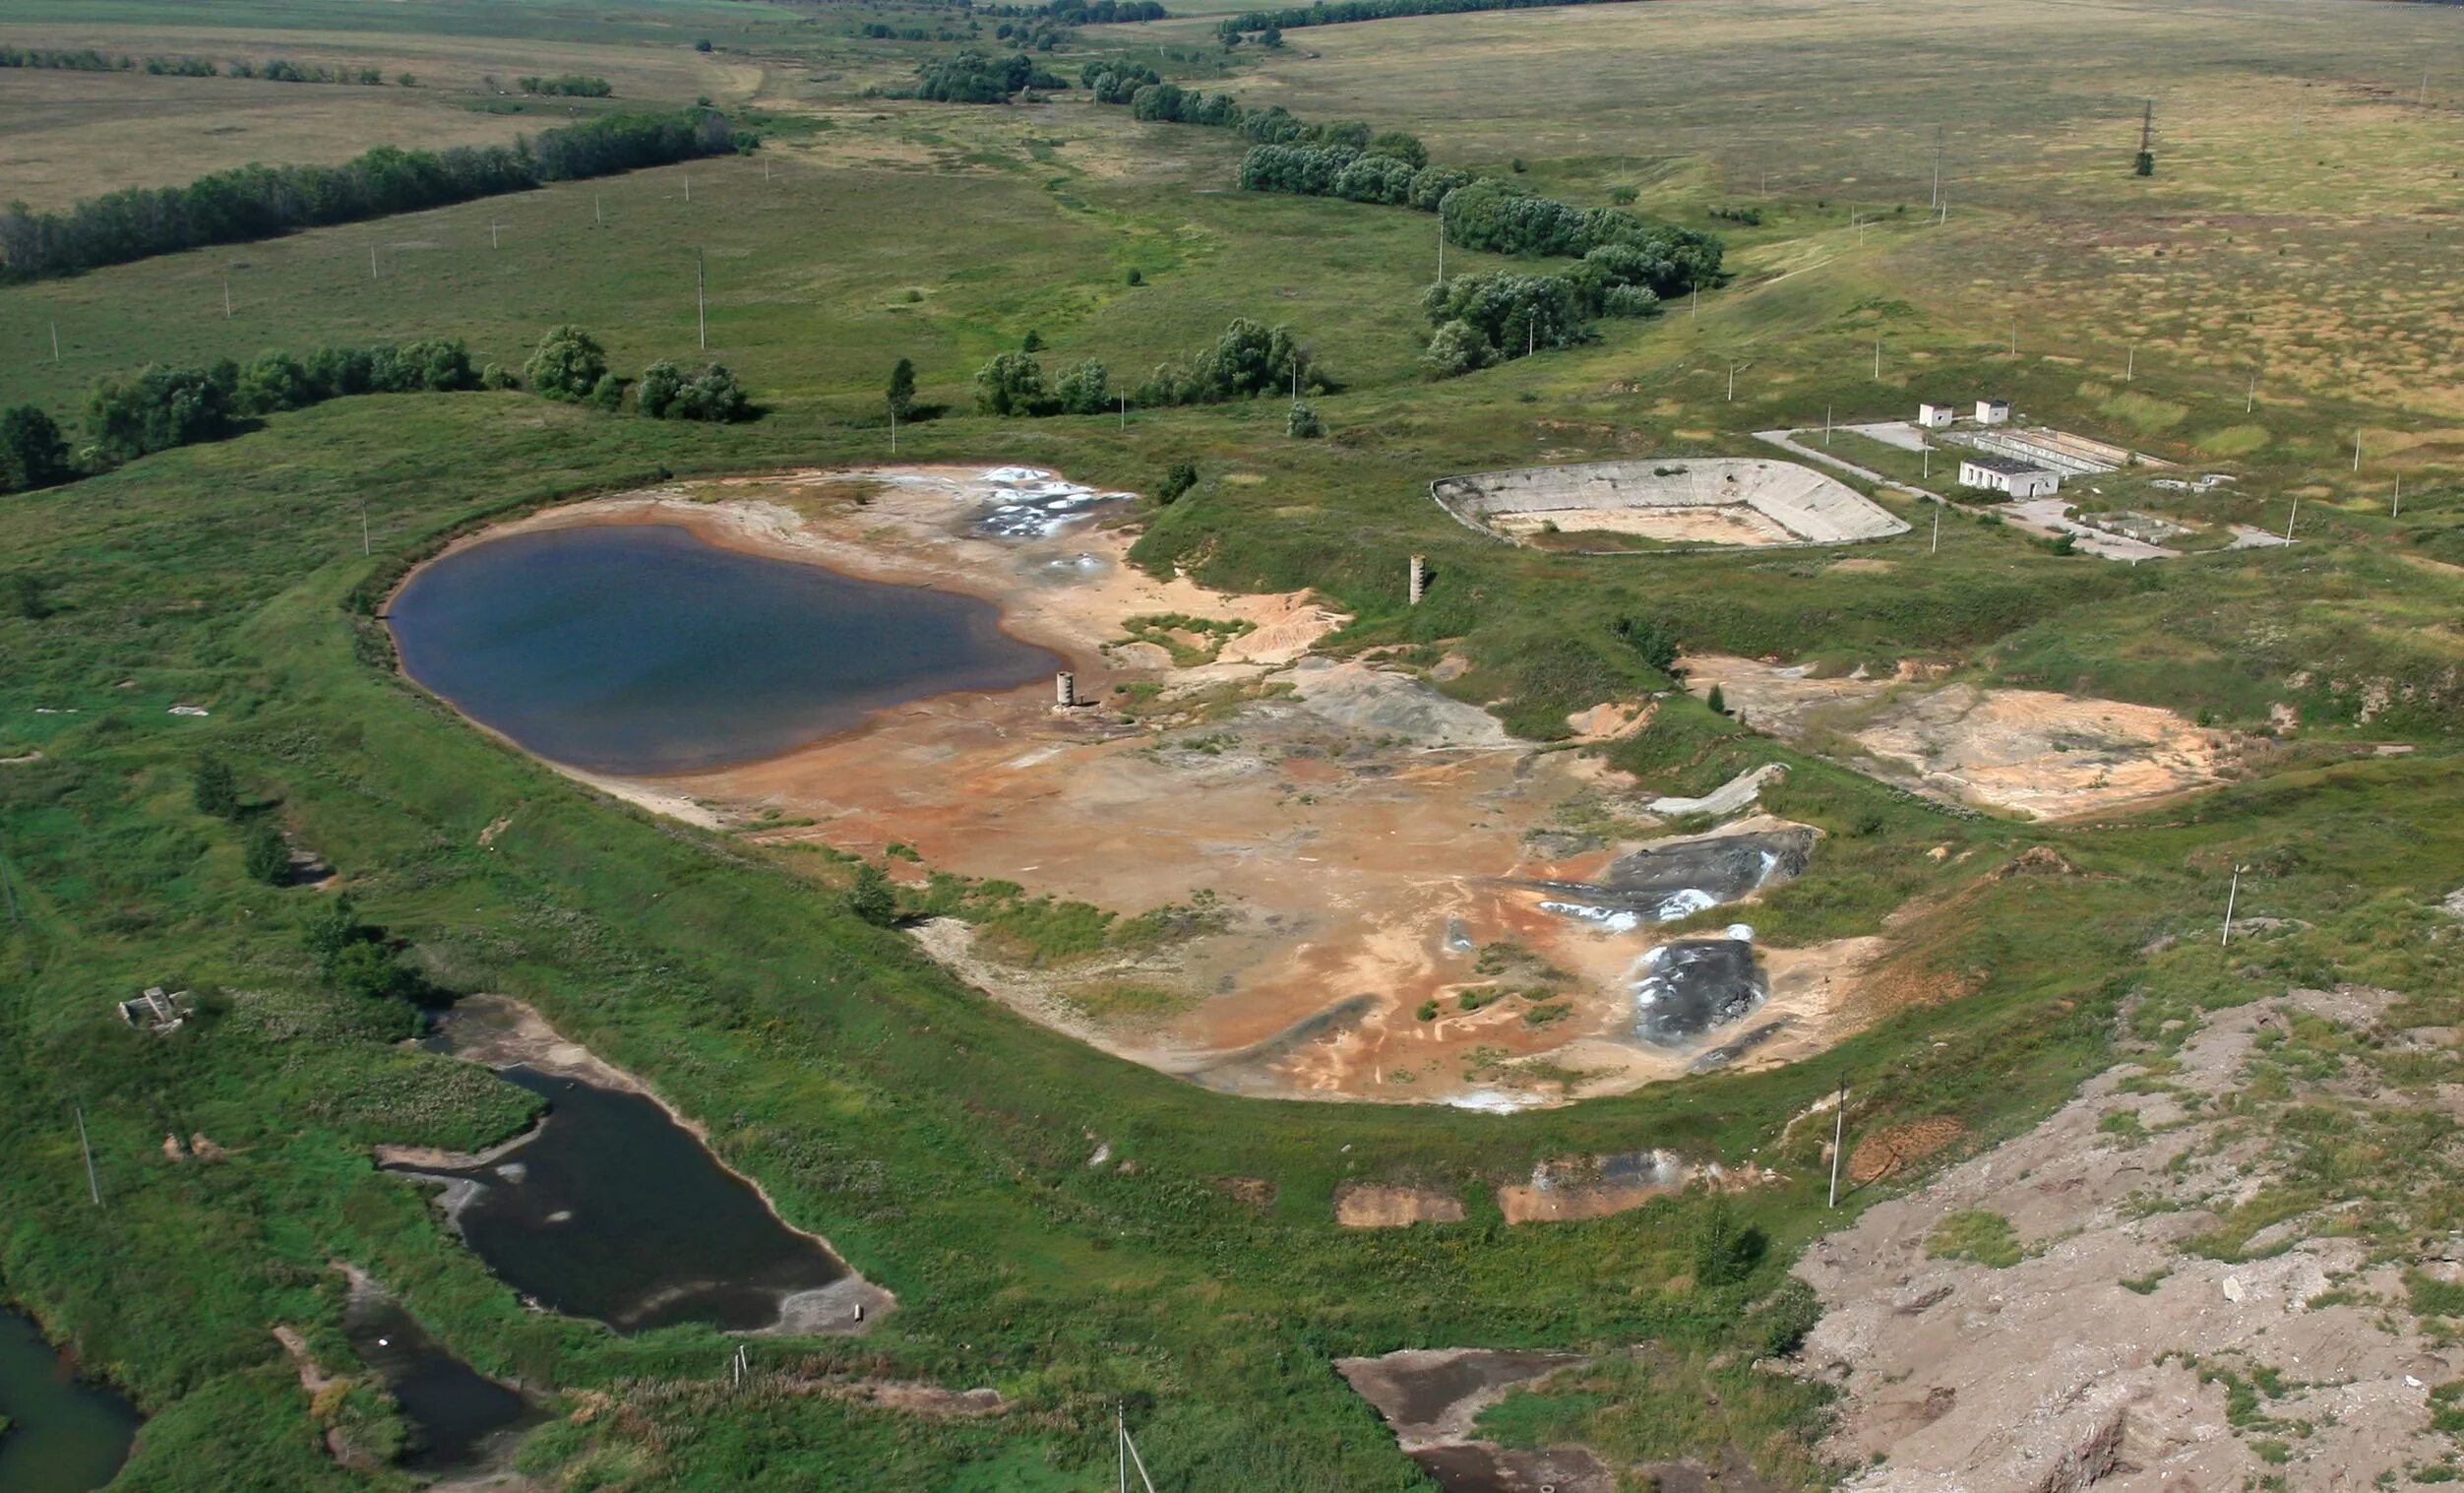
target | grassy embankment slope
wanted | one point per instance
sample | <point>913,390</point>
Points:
<point>938,1140</point>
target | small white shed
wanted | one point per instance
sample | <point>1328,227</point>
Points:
<point>1992,411</point>
<point>1936,416</point>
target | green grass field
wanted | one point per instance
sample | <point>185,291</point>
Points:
<point>937,1139</point>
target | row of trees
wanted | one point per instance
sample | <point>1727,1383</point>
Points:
<point>1248,360</point>
<point>1343,11</point>
<point>1103,12</point>
<point>1356,175</point>
<point>256,202</point>
<point>161,407</point>
<point>273,69</point>
<point>973,78</point>
<point>1013,382</point>
<point>569,86</point>
<point>570,365</point>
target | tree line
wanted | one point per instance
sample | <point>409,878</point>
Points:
<point>256,202</point>
<point>1627,264</point>
<point>272,69</point>
<point>567,86</point>
<point>1248,359</point>
<point>972,77</point>
<point>1345,11</point>
<point>163,407</point>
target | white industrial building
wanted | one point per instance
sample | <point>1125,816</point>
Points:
<point>1936,416</point>
<point>2006,475</point>
<point>1992,411</point>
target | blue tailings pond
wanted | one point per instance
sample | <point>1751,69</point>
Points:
<point>641,648</point>
<point>59,1434</point>
<point>458,1419</point>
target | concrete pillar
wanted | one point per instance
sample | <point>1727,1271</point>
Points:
<point>1420,577</point>
<point>1065,688</point>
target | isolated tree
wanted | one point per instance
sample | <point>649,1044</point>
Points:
<point>1302,423</point>
<point>1178,479</point>
<point>872,898</point>
<point>22,595</point>
<point>2145,166</point>
<point>1724,1250</point>
<point>33,452</point>
<point>266,855</point>
<point>568,364</point>
<point>214,791</point>
<point>1136,277</point>
<point>1034,342</point>
<point>900,394</point>
<point>1717,701</point>
<point>712,395</point>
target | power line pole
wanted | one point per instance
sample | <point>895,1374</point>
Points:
<point>701,311</point>
<point>2357,450</point>
<point>2291,516</point>
<point>1827,425</point>
<point>363,525</point>
<point>2131,364</point>
<point>2396,508</point>
<point>1937,529</point>
<point>56,341</point>
<point>372,261</point>
<point>894,430</point>
<point>226,298</point>
<point>492,239</point>
<point>1839,1137</point>
<point>2231,895</point>
<point>2249,401</point>
<point>93,1184</point>
<point>1878,360</point>
<point>1938,165</point>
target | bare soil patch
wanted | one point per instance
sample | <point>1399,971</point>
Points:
<point>2031,752</point>
<point>1365,1205</point>
<point>2117,1351</point>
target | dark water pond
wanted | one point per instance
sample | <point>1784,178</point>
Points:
<point>453,1411</point>
<point>641,648</point>
<point>63,1436</point>
<point>614,1210</point>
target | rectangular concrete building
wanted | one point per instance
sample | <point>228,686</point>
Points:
<point>2002,474</point>
<point>1936,416</point>
<point>1992,411</point>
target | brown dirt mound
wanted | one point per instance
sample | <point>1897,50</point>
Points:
<point>1887,1151</point>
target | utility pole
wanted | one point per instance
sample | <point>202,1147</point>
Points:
<point>1694,310</point>
<point>598,217</point>
<point>1827,425</point>
<point>492,239</point>
<point>226,298</point>
<point>2357,450</point>
<point>1937,529</point>
<point>688,183</point>
<point>2131,364</point>
<point>1878,360</point>
<point>1121,1443</point>
<point>2396,508</point>
<point>1926,473</point>
<point>2249,401</point>
<point>2291,516</point>
<point>1839,1137</point>
<point>894,430</point>
<point>363,525</point>
<point>56,341</point>
<point>701,307</point>
<point>2231,895</point>
<point>1125,411</point>
<point>372,261</point>
<point>2015,337</point>
<point>1732,383</point>
<point>1937,166</point>
<point>93,1185</point>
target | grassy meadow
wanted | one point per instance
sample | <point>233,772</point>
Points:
<point>939,1141</point>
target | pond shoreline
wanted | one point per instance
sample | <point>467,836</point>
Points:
<point>508,1034</point>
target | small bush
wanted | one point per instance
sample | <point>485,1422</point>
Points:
<point>568,364</point>
<point>1303,424</point>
